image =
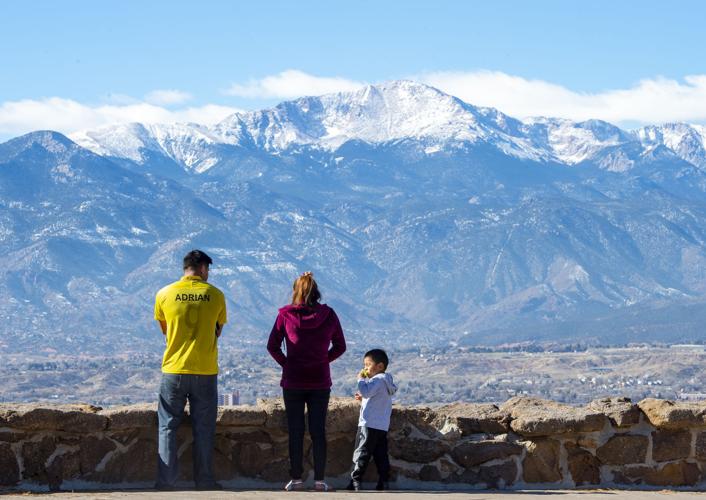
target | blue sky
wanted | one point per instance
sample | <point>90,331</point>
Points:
<point>173,60</point>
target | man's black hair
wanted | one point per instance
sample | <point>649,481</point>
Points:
<point>378,356</point>
<point>195,258</point>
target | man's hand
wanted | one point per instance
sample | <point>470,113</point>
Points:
<point>358,397</point>
<point>163,325</point>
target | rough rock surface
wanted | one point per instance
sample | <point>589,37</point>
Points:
<point>472,453</point>
<point>70,418</point>
<point>671,445</point>
<point>700,446</point>
<point>131,417</point>
<point>622,412</point>
<point>522,443</point>
<point>541,464</point>
<point>9,469</point>
<point>665,414</point>
<point>418,450</point>
<point>241,416</point>
<point>539,417</point>
<point>472,418</point>
<point>584,466</point>
<point>623,449</point>
<point>671,474</point>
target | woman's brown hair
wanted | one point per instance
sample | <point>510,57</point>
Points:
<point>305,291</point>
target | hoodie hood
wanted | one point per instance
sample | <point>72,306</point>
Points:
<point>389,383</point>
<point>306,317</point>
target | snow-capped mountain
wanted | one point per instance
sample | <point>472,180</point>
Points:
<point>389,112</point>
<point>422,216</point>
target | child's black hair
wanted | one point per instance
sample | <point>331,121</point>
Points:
<point>378,356</point>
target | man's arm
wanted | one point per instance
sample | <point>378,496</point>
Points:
<point>159,314</point>
<point>222,317</point>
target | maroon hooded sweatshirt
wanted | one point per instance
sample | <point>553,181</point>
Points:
<point>308,332</point>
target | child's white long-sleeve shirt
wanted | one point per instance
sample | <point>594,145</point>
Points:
<point>377,401</point>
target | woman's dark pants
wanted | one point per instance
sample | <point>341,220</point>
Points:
<point>316,402</point>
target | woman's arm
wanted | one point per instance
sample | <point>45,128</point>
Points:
<point>338,341</point>
<point>274,344</point>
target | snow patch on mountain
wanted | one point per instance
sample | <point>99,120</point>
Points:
<point>394,112</point>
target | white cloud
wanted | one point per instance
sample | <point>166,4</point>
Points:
<point>654,100</point>
<point>166,97</point>
<point>68,116</point>
<point>292,84</point>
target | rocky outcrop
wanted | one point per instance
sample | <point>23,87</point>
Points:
<point>522,443</point>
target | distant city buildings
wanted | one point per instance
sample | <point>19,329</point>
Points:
<point>229,398</point>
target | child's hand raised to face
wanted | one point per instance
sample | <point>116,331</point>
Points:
<point>363,373</point>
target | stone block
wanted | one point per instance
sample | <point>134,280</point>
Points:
<point>342,416</point>
<point>12,436</point>
<point>583,465</point>
<point>70,418</point>
<point>241,416</point>
<point>472,418</point>
<point>276,471</point>
<point>622,412</point>
<point>421,418</point>
<point>467,476</point>
<point>429,473</point>
<point>680,473</point>
<point>630,475</point>
<point>92,450</point>
<point>275,415</point>
<point>417,449</point>
<point>250,457</point>
<point>665,414</point>
<point>674,474</point>
<point>35,455</point>
<point>700,447</point>
<point>499,475</point>
<point>137,463</point>
<point>131,417</point>
<point>538,417</point>
<point>623,449</point>
<point>340,455</point>
<point>472,453</point>
<point>541,463</point>
<point>670,445</point>
<point>9,468</point>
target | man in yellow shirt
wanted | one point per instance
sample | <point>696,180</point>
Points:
<point>191,313</point>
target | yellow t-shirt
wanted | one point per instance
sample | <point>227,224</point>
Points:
<point>191,308</point>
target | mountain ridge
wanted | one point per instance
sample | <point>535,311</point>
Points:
<point>415,240</point>
<point>421,113</point>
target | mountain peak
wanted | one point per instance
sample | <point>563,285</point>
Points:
<point>49,140</point>
<point>389,112</point>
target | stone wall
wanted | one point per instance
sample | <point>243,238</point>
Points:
<point>522,443</point>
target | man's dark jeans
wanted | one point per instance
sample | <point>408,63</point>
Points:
<point>316,401</point>
<point>202,393</point>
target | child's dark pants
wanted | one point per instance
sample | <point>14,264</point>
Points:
<point>370,443</point>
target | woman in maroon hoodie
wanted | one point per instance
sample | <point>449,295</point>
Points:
<point>313,338</point>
